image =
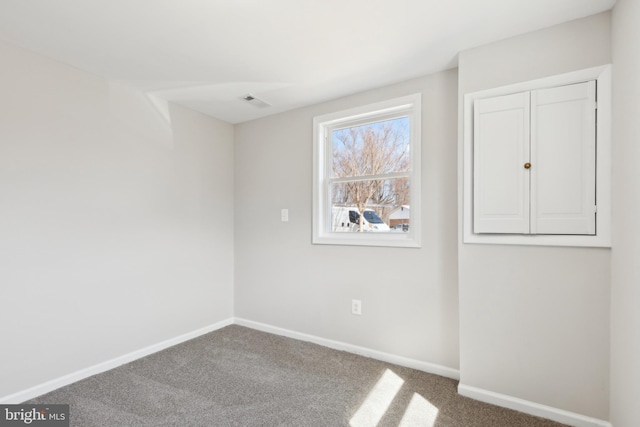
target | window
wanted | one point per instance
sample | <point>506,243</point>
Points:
<point>537,162</point>
<point>366,171</point>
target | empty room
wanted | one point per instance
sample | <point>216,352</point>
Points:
<point>337,213</point>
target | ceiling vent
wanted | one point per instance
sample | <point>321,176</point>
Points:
<point>256,102</point>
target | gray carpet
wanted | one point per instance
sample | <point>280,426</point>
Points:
<point>237,376</point>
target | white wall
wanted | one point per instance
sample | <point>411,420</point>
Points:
<point>117,227</point>
<point>534,321</point>
<point>409,296</point>
<point>625,254</point>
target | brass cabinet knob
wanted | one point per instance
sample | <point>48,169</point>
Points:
<point>527,165</point>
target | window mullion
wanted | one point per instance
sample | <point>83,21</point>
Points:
<point>385,176</point>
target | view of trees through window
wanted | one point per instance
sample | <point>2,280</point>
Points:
<point>370,170</point>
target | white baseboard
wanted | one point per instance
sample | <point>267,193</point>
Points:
<point>531,408</point>
<point>48,386</point>
<point>431,368</point>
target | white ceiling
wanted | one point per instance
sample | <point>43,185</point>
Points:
<point>208,54</point>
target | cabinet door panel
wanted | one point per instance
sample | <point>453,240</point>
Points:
<point>500,150</point>
<point>563,157</point>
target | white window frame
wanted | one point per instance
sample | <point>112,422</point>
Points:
<point>322,125</point>
<point>602,75</point>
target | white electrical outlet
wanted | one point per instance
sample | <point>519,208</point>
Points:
<point>284,215</point>
<point>356,306</point>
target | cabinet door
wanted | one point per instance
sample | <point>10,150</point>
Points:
<point>500,150</point>
<point>563,159</point>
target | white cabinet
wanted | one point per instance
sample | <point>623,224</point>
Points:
<point>534,162</point>
<point>554,125</point>
<point>501,148</point>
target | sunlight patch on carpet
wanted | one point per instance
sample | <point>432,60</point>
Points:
<point>377,402</point>
<point>420,412</point>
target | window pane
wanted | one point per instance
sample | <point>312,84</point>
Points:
<point>385,203</point>
<point>371,149</point>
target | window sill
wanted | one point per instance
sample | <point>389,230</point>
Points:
<point>538,240</point>
<point>392,239</point>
